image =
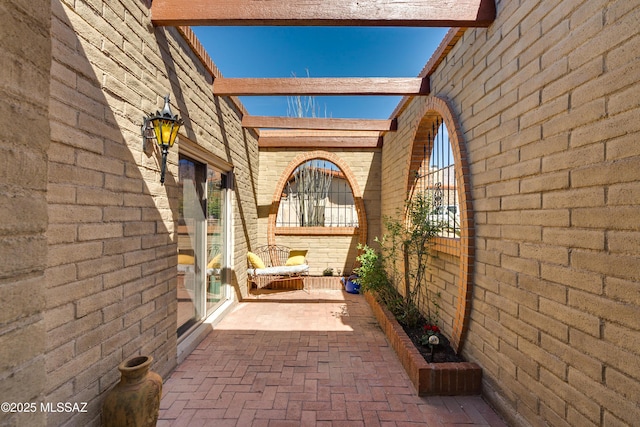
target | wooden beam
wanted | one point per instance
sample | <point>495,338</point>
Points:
<point>319,139</point>
<point>320,86</point>
<point>319,142</point>
<point>286,133</point>
<point>414,13</point>
<point>318,123</point>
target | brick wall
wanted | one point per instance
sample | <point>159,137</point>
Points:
<point>444,272</point>
<point>547,101</point>
<point>337,252</point>
<point>111,270</point>
<point>25,55</point>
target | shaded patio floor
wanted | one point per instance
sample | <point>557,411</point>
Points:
<point>299,358</point>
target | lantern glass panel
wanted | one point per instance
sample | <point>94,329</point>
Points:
<point>174,134</point>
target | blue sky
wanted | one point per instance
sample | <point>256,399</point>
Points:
<point>324,52</point>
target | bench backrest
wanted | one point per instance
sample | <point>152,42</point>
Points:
<point>273,255</point>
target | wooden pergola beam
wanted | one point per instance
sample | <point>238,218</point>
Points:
<point>269,122</point>
<point>319,142</point>
<point>320,86</point>
<point>319,139</point>
<point>413,13</point>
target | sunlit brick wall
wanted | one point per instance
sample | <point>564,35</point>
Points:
<point>444,275</point>
<point>111,275</point>
<point>547,100</point>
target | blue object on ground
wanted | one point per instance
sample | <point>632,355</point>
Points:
<point>351,286</point>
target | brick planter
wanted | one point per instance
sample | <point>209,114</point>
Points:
<point>447,379</point>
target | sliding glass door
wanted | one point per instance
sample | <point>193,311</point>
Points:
<point>202,242</point>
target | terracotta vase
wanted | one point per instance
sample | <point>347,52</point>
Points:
<point>135,400</point>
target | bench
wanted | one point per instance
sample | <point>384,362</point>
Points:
<point>279,266</point>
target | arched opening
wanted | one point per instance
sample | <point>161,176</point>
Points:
<point>438,168</point>
<point>317,194</point>
<point>337,215</point>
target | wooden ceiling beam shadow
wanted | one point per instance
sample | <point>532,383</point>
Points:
<point>267,122</point>
<point>408,13</point>
<point>313,86</point>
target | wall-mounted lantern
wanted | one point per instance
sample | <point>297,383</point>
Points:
<point>165,129</point>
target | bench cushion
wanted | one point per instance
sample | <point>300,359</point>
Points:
<point>284,270</point>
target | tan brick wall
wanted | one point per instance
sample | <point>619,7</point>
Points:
<point>444,278</point>
<point>25,55</point>
<point>337,252</point>
<point>546,98</point>
<point>111,270</point>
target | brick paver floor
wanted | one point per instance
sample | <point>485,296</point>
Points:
<point>314,358</point>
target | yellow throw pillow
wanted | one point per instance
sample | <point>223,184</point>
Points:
<point>215,261</point>
<point>186,259</point>
<point>255,260</point>
<point>296,257</point>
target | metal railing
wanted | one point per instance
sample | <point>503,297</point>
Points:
<point>317,194</point>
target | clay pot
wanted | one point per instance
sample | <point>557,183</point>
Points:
<point>135,400</point>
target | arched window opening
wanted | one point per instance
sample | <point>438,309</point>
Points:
<point>436,178</point>
<point>438,168</point>
<point>317,194</point>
